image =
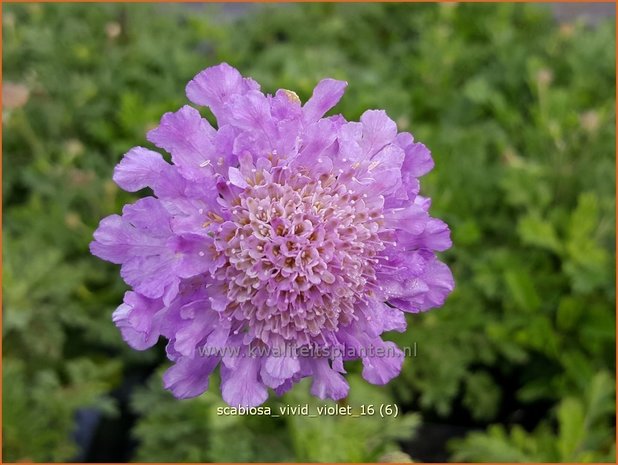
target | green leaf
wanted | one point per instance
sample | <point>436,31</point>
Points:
<point>536,231</point>
<point>572,428</point>
<point>522,290</point>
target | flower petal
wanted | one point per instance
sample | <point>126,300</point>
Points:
<point>189,377</point>
<point>251,113</point>
<point>436,235</point>
<point>411,291</point>
<point>236,178</point>
<point>325,96</point>
<point>240,385</point>
<point>198,322</point>
<point>214,86</point>
<point>142,168</point>
<point>137,320</point>
<point>385,364</point>
<point>283,366</point>
<point>327,383</point>
<point>189,138</point>
<point>143,243</point>
<point>378,131</point>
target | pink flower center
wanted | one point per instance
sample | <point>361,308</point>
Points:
<point>300,253</point>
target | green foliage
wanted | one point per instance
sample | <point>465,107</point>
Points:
<point>45,381</point>
<point>191,430</point>
<point>38,409</point>
<point>58,151</point>
<point>194,430</point>
<point>519,114</point>
<point>366,439</point>
<point>582,435</point>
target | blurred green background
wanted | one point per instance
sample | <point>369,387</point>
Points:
<point>519,112</point>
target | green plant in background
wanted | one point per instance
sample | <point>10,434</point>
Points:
<point>194,430</point>
<point>583,433</point>
<point>60,351</point>
<point>520,115</point>
<point>44,383</point>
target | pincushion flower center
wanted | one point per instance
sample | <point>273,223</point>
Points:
<point>299,254</point>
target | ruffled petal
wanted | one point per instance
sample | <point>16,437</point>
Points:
<point>325,96</point>
<point>379,317</point>
<point>198,322</point>
<point>189,138</point>
<point>191,216</point>
<point>143,243</point>
<point>152,275</point>
<point>411,220</point>
<point>138,321</point>
<point>439,279</point>
<point>285,106</point>
<point>327,383</point>
<point>435,235</point>
<point>385,170</point>
<point>142,168</point>
<point>383,363</point>
<point>251,114</point>
<point>282,366</point>
<point>378,131</point>
<point>241,385</point>
<point>413,290</point>
<point>189,377</point>
<point>142,230</point>
<point>214,86</point>
<point>316,149</point>
<point>194,255</point>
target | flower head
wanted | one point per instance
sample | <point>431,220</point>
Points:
<point>278,245</point>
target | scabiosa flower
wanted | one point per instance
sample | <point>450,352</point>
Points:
<point>281,229</point>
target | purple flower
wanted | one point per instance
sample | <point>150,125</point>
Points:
<point>278,245</point>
